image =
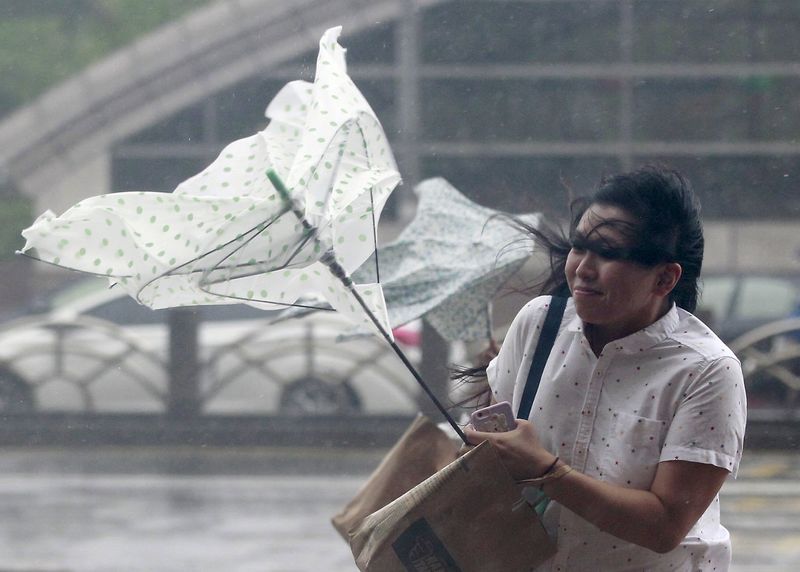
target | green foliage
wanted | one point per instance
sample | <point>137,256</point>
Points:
<point>45,41</point>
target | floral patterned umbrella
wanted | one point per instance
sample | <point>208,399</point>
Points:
<point>450,261</point>
<point>227,235</point>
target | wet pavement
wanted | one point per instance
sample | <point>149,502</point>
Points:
<point>761,508</point>
<point>268,510</point>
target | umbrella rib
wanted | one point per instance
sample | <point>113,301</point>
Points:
<point>204,282</point>
<point>342,128</point>
<point>375,237</point>
<point>27,254</point>
<point>172,271</point>
<point>372,205</point>
<point>221,246</point>
<point>254,232</point>
<point>220,266</point>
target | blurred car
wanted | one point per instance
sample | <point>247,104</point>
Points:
<point>96,350</point>
<point>735,303</point>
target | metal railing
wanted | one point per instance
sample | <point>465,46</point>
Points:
<point>297,367</point>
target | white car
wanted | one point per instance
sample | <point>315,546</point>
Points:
<point>97,350</point>
<point>735,303</point>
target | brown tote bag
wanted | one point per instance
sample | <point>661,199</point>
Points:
<point>468,517</point>
<point>423,450</point>
<point>455,514</point>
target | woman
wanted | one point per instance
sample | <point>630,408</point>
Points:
<point>640,414</point>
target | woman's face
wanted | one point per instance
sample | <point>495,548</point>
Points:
<point>616,296</point>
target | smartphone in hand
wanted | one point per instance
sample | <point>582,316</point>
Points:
<point>494,418</point>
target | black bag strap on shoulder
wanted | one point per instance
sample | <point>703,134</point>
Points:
<point>547,338</point>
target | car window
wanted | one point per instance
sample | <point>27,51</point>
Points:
<point>766,298</point>
<point>716,296</point>
<point>234,312</point>
<point>126,311</point>
<point>75,291</point>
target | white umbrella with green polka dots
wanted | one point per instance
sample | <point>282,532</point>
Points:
<point>226,235</point>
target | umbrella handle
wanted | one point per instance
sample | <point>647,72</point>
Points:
<point>329,260</point>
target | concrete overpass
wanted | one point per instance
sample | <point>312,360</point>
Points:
<point>56,150</point>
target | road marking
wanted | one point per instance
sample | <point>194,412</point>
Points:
<point>768,470</point>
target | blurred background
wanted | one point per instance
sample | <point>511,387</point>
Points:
<point>212,438</point>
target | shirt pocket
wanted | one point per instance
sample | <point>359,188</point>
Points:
<point>635,450</point>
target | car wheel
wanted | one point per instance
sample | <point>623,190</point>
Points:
<point>312,395</point>
<point>15,393</point>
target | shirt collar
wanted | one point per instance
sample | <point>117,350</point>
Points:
<point>644,339</point>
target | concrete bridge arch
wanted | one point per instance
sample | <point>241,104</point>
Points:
<point>56,150</point>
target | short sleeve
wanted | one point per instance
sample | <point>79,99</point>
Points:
<point>503,370</point>
<point>709,424</point>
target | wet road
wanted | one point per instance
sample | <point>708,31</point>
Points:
<point>762,511</point>
<point>268,511</point>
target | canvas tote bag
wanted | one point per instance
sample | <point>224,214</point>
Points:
<point>423,450</point>
<point>468,517</point>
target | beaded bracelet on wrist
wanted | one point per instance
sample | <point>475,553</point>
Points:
<point>551,474</point>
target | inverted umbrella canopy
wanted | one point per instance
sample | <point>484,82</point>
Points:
<point>450,261</point>
<point>227,235</point>
<point>285,214</point>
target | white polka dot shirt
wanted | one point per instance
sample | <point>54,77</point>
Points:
<point>672,391</point>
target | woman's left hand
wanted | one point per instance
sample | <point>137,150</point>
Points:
<point>520,450</point>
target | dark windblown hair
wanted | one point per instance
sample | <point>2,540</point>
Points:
<point>667,228</point>
<point>663,202</point>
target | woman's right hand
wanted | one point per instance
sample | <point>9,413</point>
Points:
<point>466,447</point>
<point>519,449</point>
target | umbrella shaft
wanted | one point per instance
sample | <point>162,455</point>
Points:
<point>337,270</point>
